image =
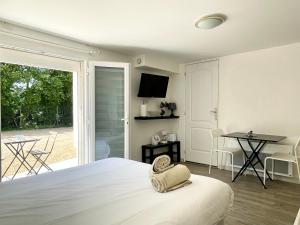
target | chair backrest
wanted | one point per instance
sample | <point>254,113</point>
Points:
<point>50,141</point>
<point>215,135</point>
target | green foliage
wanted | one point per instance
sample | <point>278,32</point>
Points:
<point>33,97</point>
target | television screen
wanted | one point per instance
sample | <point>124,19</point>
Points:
<point>153,86</point>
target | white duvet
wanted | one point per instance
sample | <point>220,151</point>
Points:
<point>110,192</point>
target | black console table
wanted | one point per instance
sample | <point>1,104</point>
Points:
<point>169,152</point>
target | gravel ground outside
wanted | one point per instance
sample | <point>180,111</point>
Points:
<point>64,148</point>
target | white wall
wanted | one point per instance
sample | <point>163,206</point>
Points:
<point>179,98</point>
<point>260,91</point>
<point>142,131</point>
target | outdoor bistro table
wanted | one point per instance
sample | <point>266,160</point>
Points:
<point>262,140</point>
<point>16,146</point>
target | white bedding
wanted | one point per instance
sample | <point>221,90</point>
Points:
<point>110,192</point>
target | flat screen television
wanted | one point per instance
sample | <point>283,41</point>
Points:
<point>153,86</point>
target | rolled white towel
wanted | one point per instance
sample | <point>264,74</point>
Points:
<point>171,179</point>
<point>161,164</point>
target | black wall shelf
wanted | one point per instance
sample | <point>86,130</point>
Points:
<point>155,117</point>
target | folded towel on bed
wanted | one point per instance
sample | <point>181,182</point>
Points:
<point>171,179</point>
<point>161,164</point>
<point>167,177</point>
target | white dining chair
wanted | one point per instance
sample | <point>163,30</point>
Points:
<point>216,135</point>
<point>293,158</point>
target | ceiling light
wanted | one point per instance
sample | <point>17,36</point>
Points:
<point>209,22</point>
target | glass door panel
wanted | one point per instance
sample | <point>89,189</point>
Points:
<point>109,112</point>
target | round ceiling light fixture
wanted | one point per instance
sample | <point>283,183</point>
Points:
<point>210,22</point>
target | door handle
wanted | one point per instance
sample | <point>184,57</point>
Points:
<point>125,120</point>
<point>215,112</point>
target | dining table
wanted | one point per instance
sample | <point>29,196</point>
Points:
<point>16,145</point>
<point>256,142</point>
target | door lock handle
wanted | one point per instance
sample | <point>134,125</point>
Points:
<point>215,112</point>
<point>125,120</point>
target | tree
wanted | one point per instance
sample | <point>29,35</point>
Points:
<point>33,97</point>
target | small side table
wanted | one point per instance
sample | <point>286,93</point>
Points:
<point>169,152</point>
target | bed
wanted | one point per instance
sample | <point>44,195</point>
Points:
<point>110,192</point>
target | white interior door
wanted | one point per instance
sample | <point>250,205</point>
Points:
<point>109,101</point>
<point>201,109</point>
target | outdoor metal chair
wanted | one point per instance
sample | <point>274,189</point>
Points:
<point>41,156</point>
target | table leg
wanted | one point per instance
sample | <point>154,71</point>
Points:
<point>151,156</point>
<point>143,154</point>
<point>24,157</point>
<point>16,152</point>
<point>252,155</point>
<point>246,162</point>
<point>170,152</point>
<point>257,156</point>
<point>250,160</point>
<point>178,152</point>
<point>15,156</point>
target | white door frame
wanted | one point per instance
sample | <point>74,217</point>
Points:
<point>46,60</point>
<point>91,111</point>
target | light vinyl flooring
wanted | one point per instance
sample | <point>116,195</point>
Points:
<point>254,205</point>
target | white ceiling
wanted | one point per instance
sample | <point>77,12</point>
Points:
<point>166,26</point>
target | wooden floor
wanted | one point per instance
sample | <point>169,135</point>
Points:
<point>253,205</point>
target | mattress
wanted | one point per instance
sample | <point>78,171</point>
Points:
<point>110,192</point>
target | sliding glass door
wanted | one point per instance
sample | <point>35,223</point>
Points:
<point>109,110</point>
<point>40,99</point>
